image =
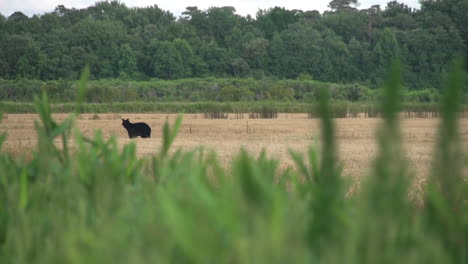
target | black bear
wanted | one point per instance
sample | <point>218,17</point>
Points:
<point>137,129</point>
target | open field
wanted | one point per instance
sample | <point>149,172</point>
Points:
<point>356,136</point>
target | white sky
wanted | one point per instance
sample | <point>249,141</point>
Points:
<point>243,7</point>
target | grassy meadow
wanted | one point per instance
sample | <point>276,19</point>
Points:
<point>98,201</point>
<point>355,137</point>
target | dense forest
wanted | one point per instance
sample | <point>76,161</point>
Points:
<point>343,45</point>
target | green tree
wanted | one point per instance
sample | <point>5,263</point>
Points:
<point>81,57</point>
<point>240,68</point>
<point>4,69</point>
<point>447,12</point>
<point>275,20</point>
<point>385,51</point>
<point>277,56</point>
<point>302,46</point>
<point>4,66</point>
<point>28,65</point>
<point>427,54</point>
<point>101,38</point>
<point>196,18</point>
<point>336,60</point>
<point>2,24</point>
<point>127,61</point>
<point>399,15</point>
<point>14,48</point>
<point>256,53</point>
<point>220,21</point>
<point>17,23</point>
<point>217,59</point>
<point>361,59</point>
<point>348,25</point>
<point>186,54</point>
<point>340,5</point>
<point>108,10</point>
<point>167,62</point>
<point>57,61</point>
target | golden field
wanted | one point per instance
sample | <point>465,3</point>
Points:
<point>356,136</point>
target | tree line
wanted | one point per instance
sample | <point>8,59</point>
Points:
<point>343,45</point>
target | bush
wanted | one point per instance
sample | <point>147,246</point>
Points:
<point>423,96</point>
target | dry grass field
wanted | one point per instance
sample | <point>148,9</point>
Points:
<point>356,136</point>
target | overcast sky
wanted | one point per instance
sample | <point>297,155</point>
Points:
<point>243,7</point>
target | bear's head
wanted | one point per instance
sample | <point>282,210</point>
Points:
<point>125,122</point>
